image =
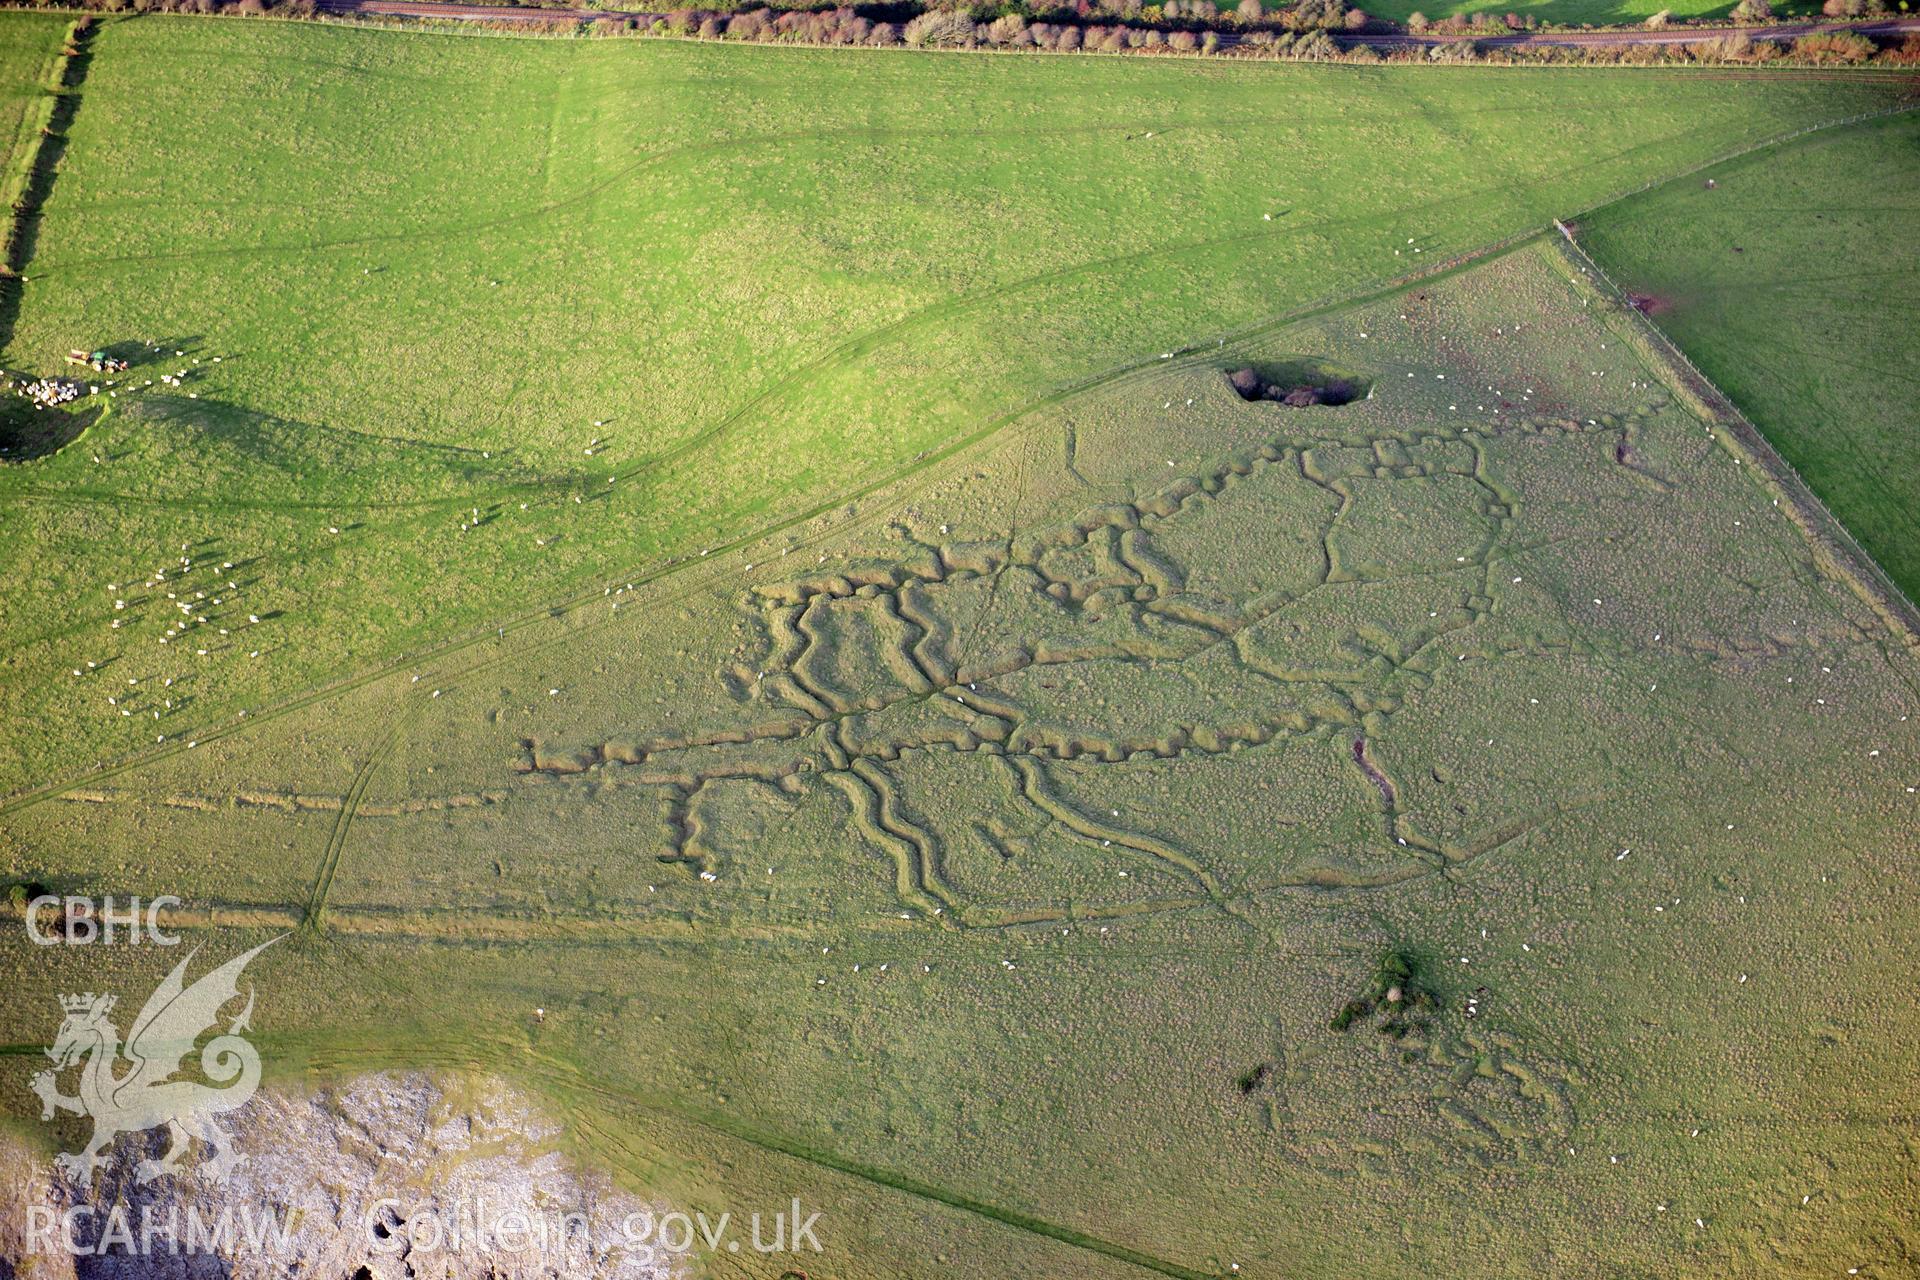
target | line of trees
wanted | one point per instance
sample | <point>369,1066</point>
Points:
<point>1301,32</point>
<point>1472,23</point>
<point>247,8</point>
<point>1131,26</point>
<point>1302,36</point>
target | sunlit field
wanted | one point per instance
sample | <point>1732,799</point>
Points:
<point>1097,667</point>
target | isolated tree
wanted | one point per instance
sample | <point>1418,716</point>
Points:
<point>1416,21</point>
<point>1752,13</point>
<point>940,29</point>
<point>1316,15</point>
<point>1834,46</point>
<point>1737,47</point>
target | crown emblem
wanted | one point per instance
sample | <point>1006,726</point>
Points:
<point>151,1093</point>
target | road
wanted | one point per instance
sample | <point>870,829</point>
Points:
<point>1626,36</point>
<point>1382,39</point>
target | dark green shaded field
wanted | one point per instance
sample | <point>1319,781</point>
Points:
<point>1794,283</point>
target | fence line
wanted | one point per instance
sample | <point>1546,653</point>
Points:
<point>1729,157</point>
<point>1831,538</point>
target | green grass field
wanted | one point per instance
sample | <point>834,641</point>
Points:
<point>767,302</point>
<point>1791,283</point>
<point>29,47</point>
<point>1027,962</point>
<point>961,768</point>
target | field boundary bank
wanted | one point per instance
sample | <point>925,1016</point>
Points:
<point>37,168</point>
<point>1779,140</point>
<point>1827,533</point>
<point>24,146</point>
<point>1832,542</point>
<point>644,575</point>
<point>713,556</point>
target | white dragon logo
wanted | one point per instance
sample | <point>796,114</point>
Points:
<point>147,1096</point>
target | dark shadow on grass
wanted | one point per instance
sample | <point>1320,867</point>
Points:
<point>162,352</point>
<point>27,433</point>
<point>1298,383</point>
<point>24,234</point>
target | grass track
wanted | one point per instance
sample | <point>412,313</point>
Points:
<point>696,1048</point>
<point>314,914</point>
<point>688,572</point>
<point>603,228</point>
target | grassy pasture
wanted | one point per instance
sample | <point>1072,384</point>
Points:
<point>29,48</point>
<point>1791,283</point>
<point>1058,790</point>
<point>428,265</point>
<point>1098,701</point>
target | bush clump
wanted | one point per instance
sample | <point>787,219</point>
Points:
<point>1397,993</point>
<point>1296,390</point>
<point>1834,46</point>
<point>941,29</point>
<point>1316,15</point>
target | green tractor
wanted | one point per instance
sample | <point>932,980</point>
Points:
<point>98,361</point>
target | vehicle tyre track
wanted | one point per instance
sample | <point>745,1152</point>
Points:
<point>315,913</point>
